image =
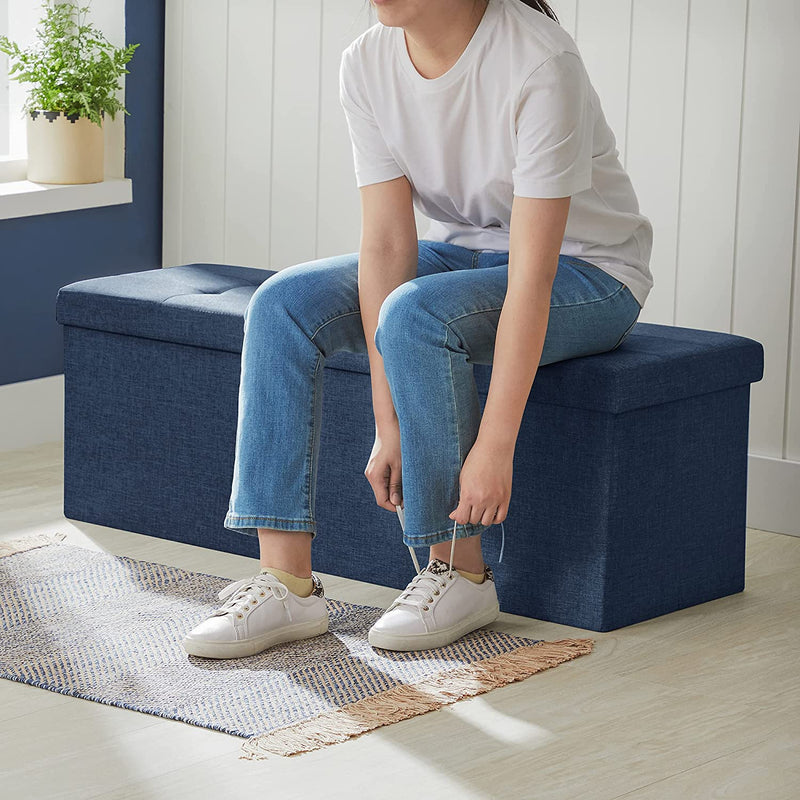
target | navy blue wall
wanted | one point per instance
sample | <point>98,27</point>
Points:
<point>42,253</point>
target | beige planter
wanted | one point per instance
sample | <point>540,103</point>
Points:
<point>64,149</point>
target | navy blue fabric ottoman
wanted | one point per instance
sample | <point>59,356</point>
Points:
<point>630,467</point>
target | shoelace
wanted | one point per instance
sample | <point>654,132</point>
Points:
<point>244,593</point>
<point>423,588</point>
<point>424,585</point>
<point>401,517</point>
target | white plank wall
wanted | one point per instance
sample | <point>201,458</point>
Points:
<point>337,222</point>
<point>701,95</point>
<point>248,143</point>
<point>567,13</point>
<point>765,231</point>
<point>710,167</point>
<point>654,141</point>
<point>297,68</point>
<point>604,39</point>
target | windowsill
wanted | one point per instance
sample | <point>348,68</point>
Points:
<point>24,198</point>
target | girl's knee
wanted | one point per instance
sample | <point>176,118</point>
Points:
<point>405,318</point>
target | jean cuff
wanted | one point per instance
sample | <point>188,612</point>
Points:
<point>427,539</point>
<point>251,524</point>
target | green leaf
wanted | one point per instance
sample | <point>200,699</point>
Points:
<point>71,66</point>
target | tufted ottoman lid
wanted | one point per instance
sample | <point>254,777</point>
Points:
<point>204,305</point>
<point>655,364</point>
<point>198,304</point>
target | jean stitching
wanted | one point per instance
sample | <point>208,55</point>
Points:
<point>333,319</point>
<point>589,302</point>
<point>581,262</point>
<point>471,313</point>
<point>630,328</point>
<point>232,515</point>
<point>310,457</point>
<point>455,410</point>
<point>578,261</point>
<point>470,529</point>
<point>559,305</point>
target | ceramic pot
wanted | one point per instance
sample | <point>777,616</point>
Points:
<point>64,149</point>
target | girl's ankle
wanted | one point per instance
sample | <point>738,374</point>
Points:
<point>300,586</point>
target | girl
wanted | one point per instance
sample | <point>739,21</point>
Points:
<point>479,113</point>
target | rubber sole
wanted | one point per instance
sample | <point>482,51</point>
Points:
<point>426,641</point>
<point>256,644</point>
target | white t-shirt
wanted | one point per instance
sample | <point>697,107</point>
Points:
<point>515,115</point>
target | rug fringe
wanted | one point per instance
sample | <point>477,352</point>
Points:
<point>9,547</point>
<point>404,701</point>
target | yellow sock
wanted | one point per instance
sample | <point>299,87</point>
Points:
<point>302,587</point>
<point>475,577</point>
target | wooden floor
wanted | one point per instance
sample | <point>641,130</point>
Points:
<point>703,703</point>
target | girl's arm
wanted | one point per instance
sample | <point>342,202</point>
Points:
<point>536,233</point>
<point>388,256</point>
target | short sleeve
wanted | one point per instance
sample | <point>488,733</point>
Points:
<point>555,129</point>
<point>371,157</point>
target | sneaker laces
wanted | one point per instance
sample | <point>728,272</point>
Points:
<point>241,595</point>
<point>423,588</point>
<point>401,517</point>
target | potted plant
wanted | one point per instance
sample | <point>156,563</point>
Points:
<point>74,72</point>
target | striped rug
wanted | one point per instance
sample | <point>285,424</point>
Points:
<point>109,628</point>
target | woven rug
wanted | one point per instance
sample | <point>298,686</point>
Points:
<point>109,628</point>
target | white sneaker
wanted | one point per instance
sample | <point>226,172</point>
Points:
<point>258,612</point>
<point>439,606</point>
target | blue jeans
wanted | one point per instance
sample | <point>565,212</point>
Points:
<point>430,332</point>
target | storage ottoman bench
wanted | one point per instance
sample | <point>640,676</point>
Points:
<point>630,468</point>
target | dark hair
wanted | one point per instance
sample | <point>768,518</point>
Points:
<point>541,5</point>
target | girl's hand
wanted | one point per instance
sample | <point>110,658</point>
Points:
<point>383,469</point>
<point>484,485</point>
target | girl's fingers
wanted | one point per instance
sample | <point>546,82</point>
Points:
<point>477,515</point>
<point>381,490</point>
<point>391,489</point>
<point>396,488</point>
<point>488,517</point>
<point>460,514</point>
